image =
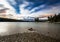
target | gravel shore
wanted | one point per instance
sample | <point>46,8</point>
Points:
<point>27,37</point>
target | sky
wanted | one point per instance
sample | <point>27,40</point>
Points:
<point>32,7</point>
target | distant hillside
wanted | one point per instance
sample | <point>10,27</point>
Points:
<point>9,20</point>
<point>26,20</point>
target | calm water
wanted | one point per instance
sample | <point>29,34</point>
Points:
<point>48,29</point>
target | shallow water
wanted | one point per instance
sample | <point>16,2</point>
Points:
<point>48,29</point>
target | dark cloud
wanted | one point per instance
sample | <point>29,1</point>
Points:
<point>33,4</point>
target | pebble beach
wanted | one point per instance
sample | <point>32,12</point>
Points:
<point>27,37</point>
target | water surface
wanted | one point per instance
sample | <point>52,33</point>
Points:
<point>48,29</point>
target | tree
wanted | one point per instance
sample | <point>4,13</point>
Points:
<point>55,18</point>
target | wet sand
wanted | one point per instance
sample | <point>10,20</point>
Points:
<point>27,37</point>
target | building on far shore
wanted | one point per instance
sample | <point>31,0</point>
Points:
<point>29,18</point>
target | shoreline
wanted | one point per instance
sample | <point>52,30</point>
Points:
<point>27,37</point>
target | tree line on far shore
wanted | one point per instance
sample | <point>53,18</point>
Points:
<point>55,18</point>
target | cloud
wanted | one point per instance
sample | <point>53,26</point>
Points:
<point>32,4</point>
<point>15,5</point>
<point>7,5</point>
<point>38,3</point>
<point>36,9</point>
<point>32,8</point>
<point>24,11</point>
<point>52,10</point>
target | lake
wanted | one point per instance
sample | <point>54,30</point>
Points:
<point>48,29</point>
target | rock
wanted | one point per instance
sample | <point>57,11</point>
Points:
<point>30,29</point>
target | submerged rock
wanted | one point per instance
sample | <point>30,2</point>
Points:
<point>31,29</point>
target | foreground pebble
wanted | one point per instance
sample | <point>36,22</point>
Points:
<point>27,37</point>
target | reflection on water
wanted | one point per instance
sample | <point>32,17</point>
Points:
<point>52,30</point>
